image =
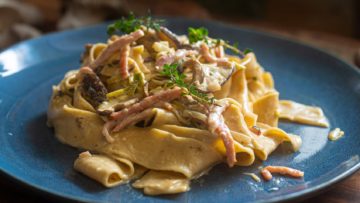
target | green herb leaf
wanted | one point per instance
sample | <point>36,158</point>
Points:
<point>236,45</point>
<point>177,79</point>
<point>247,50</point>
<point>137,82</point>
<point>131,23</point>
<point>197,34</point>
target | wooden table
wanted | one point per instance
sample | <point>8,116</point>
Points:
<point>345,191</point>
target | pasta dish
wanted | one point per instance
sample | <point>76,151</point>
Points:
<point>158,109</point>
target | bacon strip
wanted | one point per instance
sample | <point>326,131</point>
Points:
<point>204,49</point>
<point>124,54</point>
<point>217,126</point>
<point>219,51</point>
<point>132,114</point>
<point>132,119</point>
<point>116,46</point>
<point>266,172</point>
<point>147,102</point>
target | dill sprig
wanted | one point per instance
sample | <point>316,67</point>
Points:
<point>197,34</point>
<point>176,78</point>
<point>202,34</point>
<point>132,23</point>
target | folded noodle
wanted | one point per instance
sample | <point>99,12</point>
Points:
<point>266,108</point>
<point>235,120</point>
<point>160,151</point>
<point>162,117</point>
<point>95,51</point>
<point>76,127</point>
<point>245,155</point>
<point>271,138</point>
<point>80,102</point>
<point>104,169</point>
<point>239,92</point>
<point>301,113</point>
<point>69,83</point>
<point>162,182</point>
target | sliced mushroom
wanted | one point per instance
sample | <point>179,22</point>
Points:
<point>207,77</point>
<point>215,77</point>
<point>172,38</point>
<point>166,34</point>
<point>93,90</point>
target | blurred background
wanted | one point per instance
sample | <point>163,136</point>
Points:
<point>330,24</point>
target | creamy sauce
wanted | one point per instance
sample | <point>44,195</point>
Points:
<point>335,134</point>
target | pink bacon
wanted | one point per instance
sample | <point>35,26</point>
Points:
<point>138,111</point>
<point>147,102</point>
<point>266,172</point>
<point>217,126</point>
<point>204,49</point>
<point>116,46</point>
<point>124,54</point>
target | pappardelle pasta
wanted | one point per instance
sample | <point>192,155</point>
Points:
<point>161,109</point>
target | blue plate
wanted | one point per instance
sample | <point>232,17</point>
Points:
<point>30,153</point>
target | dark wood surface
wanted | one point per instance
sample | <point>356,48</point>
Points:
<point>347,190</point>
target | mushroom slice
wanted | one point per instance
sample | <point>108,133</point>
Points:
<point>166,34</point>
<point>93,90</point>
<point>209,77</point>
<point>173,39</point>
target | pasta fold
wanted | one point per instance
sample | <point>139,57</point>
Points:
<point>302,113</point>
<point>104,169</point>
<point>162,182</point>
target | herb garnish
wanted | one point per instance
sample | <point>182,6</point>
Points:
<point>247,50</point>
<point>201,34</point>
<point>132,23</point>
<point>197,34</point>
<point>177,79</point>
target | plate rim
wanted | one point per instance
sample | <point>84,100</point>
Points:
<point>302,194</point>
